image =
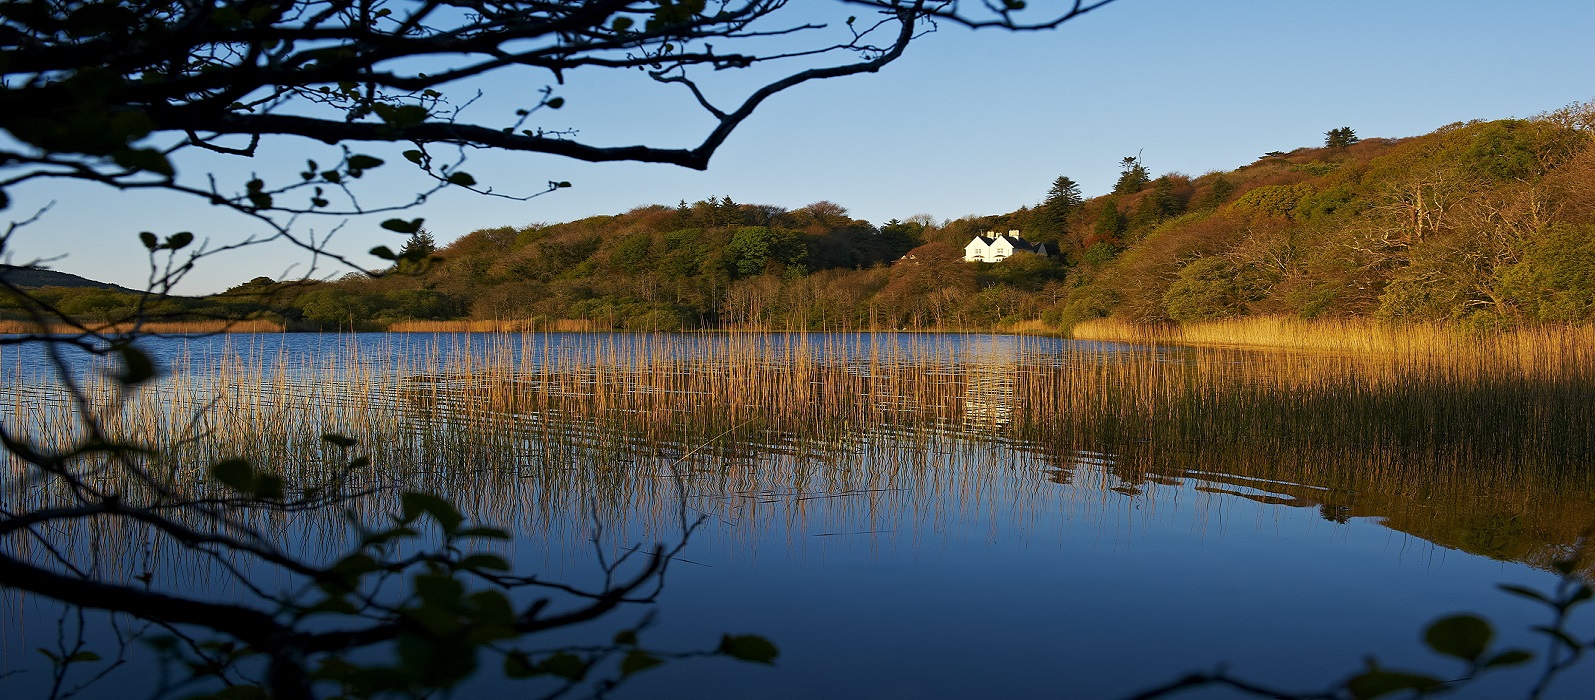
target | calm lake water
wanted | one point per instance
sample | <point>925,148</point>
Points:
<point>916,516</point>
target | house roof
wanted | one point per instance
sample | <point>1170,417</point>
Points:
<point>1018,242</point>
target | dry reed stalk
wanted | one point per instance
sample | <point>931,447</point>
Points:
<point>534,425</point>
<point>152,327</point>
<point>1529,345</point>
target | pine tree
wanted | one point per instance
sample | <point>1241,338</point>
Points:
<point>727,212</point>
<point>1062,200</point>
<point>1110,221</point>
<point>420,246</point>
<point>1340,138</point>
<point>418,252</point>
<point>1132,176</point>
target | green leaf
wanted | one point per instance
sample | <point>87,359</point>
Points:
<point>178,241</point>
<point>414,156</point>
<point>401,115</point>
<point>518,665</point>
<point>147,159</point>
<point>415,503</point>
<point>555,103</point>
<point>83,656</point>
<point>269,487</point>
<point>439,591</point>
<point>332,176</point>
<point>402,226</point>
<point>1559,635</point>
<point>747,647</point>
<point>363,162</point>
<point>1525,592</point>
<point>567,666</point>
<point>54,658</point>
<point>637,660</point>
<point>462,179</point>
<point>490,533</point>
<point>339,439</point>
<point>621,24</point>
<point>149,240</point>
<point>1510,657</point>
<point>235,474</point>
<point>384,252</point>
<point>1462,636</point>
<point>225,16</point>
<point>491,607</point>
<point>137,367</point>
<point>626,637</point>
<point>1377,682</point>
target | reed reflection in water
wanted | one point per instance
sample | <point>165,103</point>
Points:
<point>814,445</point>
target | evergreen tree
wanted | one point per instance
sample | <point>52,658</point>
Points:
<point>727,212</point>
<point>1218,194</point>
<point>417,252</point>
<point>1132,176</point>
<point>1062,200</point>
<point>1110,221</point>
<point>900,237</point>
<point>420,246</point>
<point>1161,204</point>
<point>1340,138</point>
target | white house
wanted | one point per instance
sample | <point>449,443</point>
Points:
<point>994,247</point>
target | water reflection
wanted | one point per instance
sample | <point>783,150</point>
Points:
<point>881,479</point>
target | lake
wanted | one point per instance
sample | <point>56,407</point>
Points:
<point>903,515</point>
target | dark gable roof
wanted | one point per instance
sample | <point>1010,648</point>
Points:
<point>1018,242</point>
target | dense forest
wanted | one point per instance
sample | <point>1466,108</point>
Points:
<point>1484,222</point>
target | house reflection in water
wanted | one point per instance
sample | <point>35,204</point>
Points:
<point>990,366</point>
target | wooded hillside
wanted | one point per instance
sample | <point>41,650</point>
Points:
<point>1479,222</point>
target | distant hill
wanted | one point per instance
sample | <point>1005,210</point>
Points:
<point>1478,223</point>
<point>33,278</point>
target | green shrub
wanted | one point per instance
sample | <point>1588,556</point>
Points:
<point>1213,287</point>
<point>1555,279</point>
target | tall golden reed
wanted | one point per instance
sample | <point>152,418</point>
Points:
<point>538,430</point>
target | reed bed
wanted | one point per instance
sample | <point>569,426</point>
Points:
<point>1349,335</point>
<point>1482,450</point>
<point>557,325</point>
<point>150,327</point>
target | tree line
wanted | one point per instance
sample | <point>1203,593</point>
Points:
<point>1475,223</point>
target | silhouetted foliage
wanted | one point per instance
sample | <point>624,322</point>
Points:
<point>1340,137</point>
<point>1063,200</point>
<point>1133,176</point>
<point>136,95</point>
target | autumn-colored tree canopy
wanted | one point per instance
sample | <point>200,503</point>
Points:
<point>1478,222</point>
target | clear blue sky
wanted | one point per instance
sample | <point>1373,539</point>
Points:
<point>967,123</point>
